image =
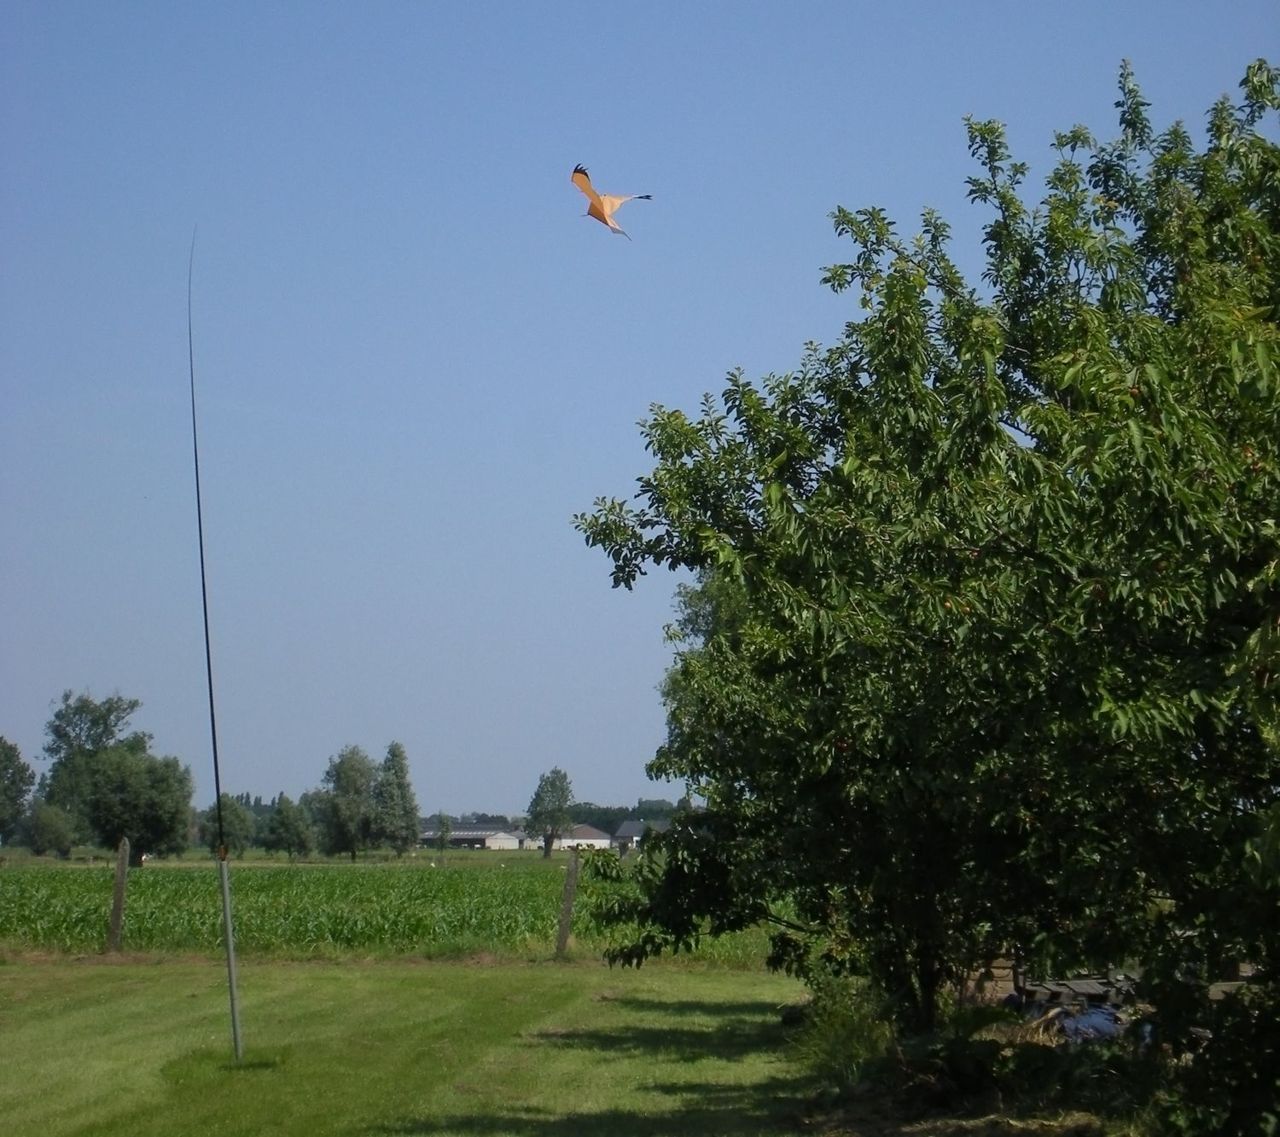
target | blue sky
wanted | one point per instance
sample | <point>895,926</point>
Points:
<point>416,359</point>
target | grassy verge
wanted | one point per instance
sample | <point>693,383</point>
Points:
<point>102,1047</point>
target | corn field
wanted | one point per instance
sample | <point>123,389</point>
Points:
<point>291,911</point>
<point>315,911</point>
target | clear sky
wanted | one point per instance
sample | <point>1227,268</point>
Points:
<point>416,359</point>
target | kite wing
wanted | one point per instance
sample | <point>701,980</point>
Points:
<point>583,182</point>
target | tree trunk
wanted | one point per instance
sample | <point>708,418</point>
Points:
<point>928,981</point>
<point>910,976</point>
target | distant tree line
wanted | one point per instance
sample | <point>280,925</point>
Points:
<point>607,818</point>
<point>103,783</point>
<point>359,805</point>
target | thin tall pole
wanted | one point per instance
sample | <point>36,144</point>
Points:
<point>228,935</point>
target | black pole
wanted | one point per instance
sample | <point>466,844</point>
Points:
<point>228,935</point>
<point>204,587</point>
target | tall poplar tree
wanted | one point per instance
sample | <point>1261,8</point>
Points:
<point>395,808</point>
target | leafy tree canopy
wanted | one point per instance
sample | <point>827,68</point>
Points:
<point>653,808</point>
<point>485,820</point>
<point>238,825</point>
<point>344,808</point>
<point>983,653</point>
<point>16,780</point>
<point>80,729</point>
<point>608,818</point>
<point>288,829</point>
<point>47,829</point>
<point>549,807</point>
<point>136,795</point>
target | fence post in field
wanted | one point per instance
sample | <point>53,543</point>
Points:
<point>566,905</point>
<point>117,901</point>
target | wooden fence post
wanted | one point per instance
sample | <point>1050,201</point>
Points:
<point>566,905</point>
<point>117,901</point>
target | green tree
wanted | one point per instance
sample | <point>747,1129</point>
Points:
<point>137,795</point>
<point>80,729</point>
<point>289,830</point>
<point>16,780</point>
<point>487,820</point>
<point>343,808</point>
<point>549,807</point>
<point>394,805</point>
<point>982,656</point>
<point>47,829</point>
<point>606,818</point>
<point>238,826</point>
<point>444,827</point>
<point>653,809</point>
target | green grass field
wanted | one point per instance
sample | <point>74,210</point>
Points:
<point>134,1048</point>
<point>389,999</point>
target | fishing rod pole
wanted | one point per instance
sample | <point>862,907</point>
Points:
<point>228,934</point>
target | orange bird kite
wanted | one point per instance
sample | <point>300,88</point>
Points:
<point>603,206</point>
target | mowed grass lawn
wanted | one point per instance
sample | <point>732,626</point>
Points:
<point>136,1047</point>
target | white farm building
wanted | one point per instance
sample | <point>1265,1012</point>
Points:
<point>583,837</point>
<point>466,838</point>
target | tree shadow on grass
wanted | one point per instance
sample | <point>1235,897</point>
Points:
<point>756,1008</point>
<point>723,1111</point>
<point>737,1112</point>
<point>723,1032</point>
<point>733,1036</point>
